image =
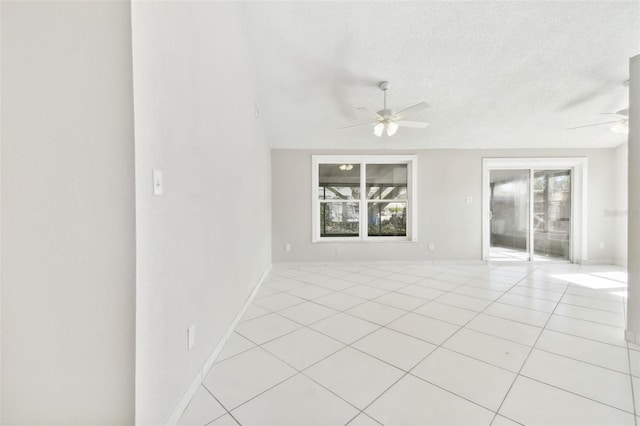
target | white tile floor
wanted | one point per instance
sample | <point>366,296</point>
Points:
<point>410,344</point>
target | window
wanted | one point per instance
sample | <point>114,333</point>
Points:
<point>370,198</point>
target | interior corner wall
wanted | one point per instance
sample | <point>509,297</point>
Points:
<point>619,213</point>
<point>68,247</point>
<point>205,243</point>
<point>632,333</point>
<point>445,179</point>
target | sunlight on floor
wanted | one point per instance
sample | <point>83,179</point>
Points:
<point>613,275</point>
<point>591,280</point>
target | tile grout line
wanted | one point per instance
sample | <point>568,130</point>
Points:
<point>425,357</point>
<point>293,367</point>
<point>500,337</point>
<point>460,327</point>
<point>593,322</point>
<point>302,372</point>
<point>222,405</point>
<point>406,312</point>
<point>320,360</point>
<point>596,309</point>
<point>526,359</point>
<point>581,360</point>
<point>576,394</point>
<point>633,396</point>
<point>633,390</point>
<point>362,413</point>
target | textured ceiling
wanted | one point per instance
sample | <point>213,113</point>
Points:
<point>495,74</point>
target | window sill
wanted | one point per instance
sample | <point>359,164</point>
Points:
<point>361,241</point>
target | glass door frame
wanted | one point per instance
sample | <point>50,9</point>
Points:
<point>578,168</point>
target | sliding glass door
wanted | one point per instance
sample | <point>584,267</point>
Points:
<point>510,215</point>
<point>530,214</point>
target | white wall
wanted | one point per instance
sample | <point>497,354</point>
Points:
<point>68,289</point>
<point>633,260</point>
<point>619,213</point>
<point>204,244</point>
<point>445,177</point>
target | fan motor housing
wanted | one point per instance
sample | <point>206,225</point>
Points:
<point>385,112</point>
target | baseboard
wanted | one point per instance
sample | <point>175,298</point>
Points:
<point>280,265</point>
<point>202,373</point>
<point>459,262</point>
<point>337,263</point>
<point>597,262</point>
<point>631,337</point>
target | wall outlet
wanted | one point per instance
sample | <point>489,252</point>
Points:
<point>601,245</point>
<point>287,247</point>
<point>158,186</point>
<point>432,246</point>
<point>468,199</point>
<point>191,337</point>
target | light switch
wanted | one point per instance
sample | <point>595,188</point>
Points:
<point>157,182</point>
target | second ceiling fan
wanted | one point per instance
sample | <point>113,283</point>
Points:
<point>621,125</point>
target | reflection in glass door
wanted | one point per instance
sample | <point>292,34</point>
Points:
<point>530,215</point>
<point>552,214</point>
<point>509,204</point>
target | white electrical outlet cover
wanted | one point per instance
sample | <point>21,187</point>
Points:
<point>157,182</point>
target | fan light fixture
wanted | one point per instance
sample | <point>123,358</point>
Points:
<point>390,127</point>
<point>385,123</point>
<point>620,127</point>
<point>346,167</point>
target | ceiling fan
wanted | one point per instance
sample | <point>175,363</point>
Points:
<point>389,120</point>
<point>621,125</point>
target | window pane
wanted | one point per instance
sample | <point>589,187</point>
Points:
<point>339,181</point>
<point>387,219</point>
<point>387,181</point>
<point>339,219</point>
<point>339,192</point>
<point>552,214</point>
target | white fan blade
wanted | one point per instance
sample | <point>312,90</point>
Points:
<point>375,114</point>
<point>416,107</point>
<point>414,124</point>
<point>591,125</point>
<point>622,112</point>
<point>358,125</point>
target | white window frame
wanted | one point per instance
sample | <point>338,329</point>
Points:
<point>363,160</point>
<point>579,169</point>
